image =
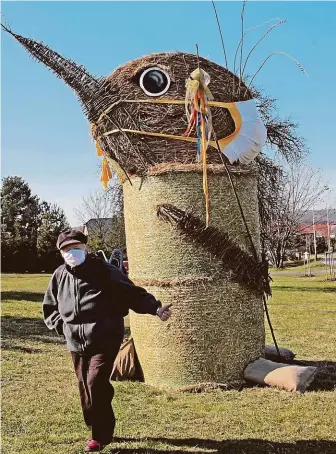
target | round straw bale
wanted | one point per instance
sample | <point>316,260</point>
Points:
<point>217,326</point>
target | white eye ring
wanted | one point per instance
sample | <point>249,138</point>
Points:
<point>164,79</point>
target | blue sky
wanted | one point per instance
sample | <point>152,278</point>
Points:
<point>45,136</point>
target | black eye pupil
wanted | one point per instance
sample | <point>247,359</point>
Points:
<point>155,81</point>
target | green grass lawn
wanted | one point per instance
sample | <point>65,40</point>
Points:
<point>41,411</point>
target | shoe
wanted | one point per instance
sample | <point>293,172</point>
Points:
<point>94,446</point>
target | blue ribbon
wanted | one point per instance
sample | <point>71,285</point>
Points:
<point>198,155</point>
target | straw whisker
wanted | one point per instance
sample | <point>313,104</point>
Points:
<point>282,21</point>
<point>245,33</point>
<point>301,68</point>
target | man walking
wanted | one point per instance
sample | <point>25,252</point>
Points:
<point>86,301</point>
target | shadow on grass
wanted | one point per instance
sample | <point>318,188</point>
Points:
<point>23,296</point>
<point>247,446</point>
<point>291,288</point>
<point>16,329</point>
<point>325,378</point>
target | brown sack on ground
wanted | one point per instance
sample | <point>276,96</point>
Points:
<point>126,365</point>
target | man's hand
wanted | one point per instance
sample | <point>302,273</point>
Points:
<point>164,312</point>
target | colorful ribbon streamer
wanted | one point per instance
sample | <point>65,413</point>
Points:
<point>199,118</point>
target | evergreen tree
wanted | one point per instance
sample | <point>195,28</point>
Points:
<point>29,229</point>
<point>52,221</point>
<point>19,225</point>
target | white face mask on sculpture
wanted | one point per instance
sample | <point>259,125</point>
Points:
<point>74,257</point>
<point>252,135</point>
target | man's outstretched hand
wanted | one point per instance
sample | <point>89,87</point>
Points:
<point>164,312</point>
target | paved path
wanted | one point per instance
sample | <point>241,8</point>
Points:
<point>329,261</point>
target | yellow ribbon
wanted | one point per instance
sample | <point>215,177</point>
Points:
<point>106,174</point>
<point>197,100</point>
<point>99,150</point>
<point>205,176</point>
<point>232,108</point>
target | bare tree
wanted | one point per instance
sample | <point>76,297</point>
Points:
<point>276,175</point>
<point>103,214</point>
<point>296,189</point>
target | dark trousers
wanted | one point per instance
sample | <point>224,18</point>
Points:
<point>96,392</point>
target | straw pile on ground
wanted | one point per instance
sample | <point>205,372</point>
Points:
<point>217,326</point>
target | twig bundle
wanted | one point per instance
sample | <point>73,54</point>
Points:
<point>242,264</point>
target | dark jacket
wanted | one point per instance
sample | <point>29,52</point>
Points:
<point>87,304</point>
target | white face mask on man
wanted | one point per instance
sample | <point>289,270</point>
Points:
<point>74,257</point>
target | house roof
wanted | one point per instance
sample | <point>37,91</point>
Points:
<point>102,222</point>
<point>320,229</point>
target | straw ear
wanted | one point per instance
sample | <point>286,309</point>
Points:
<point>93,93</point>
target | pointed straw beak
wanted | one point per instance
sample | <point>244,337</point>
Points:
<point>94,94</point>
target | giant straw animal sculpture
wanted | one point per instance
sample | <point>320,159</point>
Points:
<point>170,124</point>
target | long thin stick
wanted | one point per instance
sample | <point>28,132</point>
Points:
<point>221,35</point>
<point>248,30</point>
<point>267,58</point>
<point>246,226</point>
<point>270,326</point>
<point>250,239</point>
<point>242,44</point>
<point>239,205</point>
<point>197,53</point>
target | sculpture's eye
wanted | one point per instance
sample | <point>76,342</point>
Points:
<point>154,81</point>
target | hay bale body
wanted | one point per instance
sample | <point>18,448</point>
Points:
<point>217,326</point>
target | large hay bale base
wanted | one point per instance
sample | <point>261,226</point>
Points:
<point>217,326</point>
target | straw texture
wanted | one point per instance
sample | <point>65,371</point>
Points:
<point>217,326</point>
<point>136,154</point>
